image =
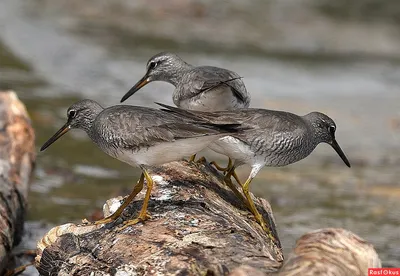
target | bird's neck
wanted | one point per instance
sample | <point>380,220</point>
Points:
<point>90,118</point>
<point>175,74</point>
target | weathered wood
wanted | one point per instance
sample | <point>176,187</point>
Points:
<point>17,156</point>
<point>331,252</point>
<point>197,226</point>
<point>328,252</point>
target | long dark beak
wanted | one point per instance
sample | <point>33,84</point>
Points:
<point>142,82</point>
<point>55,137</point>
<point>339,151</point>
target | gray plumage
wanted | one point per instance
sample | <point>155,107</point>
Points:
<point>272,138</point>
<point>140,135</point>
<point>204,88</point>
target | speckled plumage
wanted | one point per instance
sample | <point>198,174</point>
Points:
<point>204,88</point>
<point>141,137</point>
<point>132,130</point>
<point>271,138</point>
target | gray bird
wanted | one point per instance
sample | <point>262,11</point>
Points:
<point>141,137</point>
<point>272,138</point>
<point>204,88</point>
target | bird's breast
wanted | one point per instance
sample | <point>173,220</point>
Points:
<point>235,149</point>
<point>163,152</point>
<point>217,99</point>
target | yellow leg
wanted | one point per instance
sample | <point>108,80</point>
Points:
<point>254,210</point>
<point>218,167</point>
<point>192,158</point>
<point>143,212</point>
<point>137,189</point>
<point>236,177</point>
<point>201,160</point>
<point>228,170</point>
<point>18,270</point>
<point>228,182</point>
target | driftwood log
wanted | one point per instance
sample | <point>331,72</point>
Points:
<point>17,155</point>
<point>197,227</point>
<point>331,251</point>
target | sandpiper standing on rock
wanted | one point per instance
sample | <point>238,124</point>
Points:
<point>141,137</point>
<point>273,138</point>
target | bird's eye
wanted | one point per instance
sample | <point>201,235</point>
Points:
<point>71,113</point>
<point>152,64</point>
<point>332,129</point>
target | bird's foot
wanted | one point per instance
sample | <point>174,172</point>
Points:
<point>104,220</point>
<point>266,228</point>
<point>201,160</point>
<point>140,218</point>
<point>85,221</point>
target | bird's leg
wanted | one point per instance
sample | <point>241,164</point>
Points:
<point>254,210</point>
<point>137,189</point>
<point>228,182</point>
<point>143,212</point>
<point>236,177</point>
<point>200,160</point>
<point>18,270</point>
<point>224,170</point>
<point>192,158</point>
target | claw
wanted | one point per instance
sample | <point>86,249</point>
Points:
<point>134,221</point>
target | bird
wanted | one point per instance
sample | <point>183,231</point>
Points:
<point>140,137</point>
<point>203,88</point>
<point>270,138</point>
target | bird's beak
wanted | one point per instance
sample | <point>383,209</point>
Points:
<point>55,137</point>
<point>142,82</point>
<point>339,151</point>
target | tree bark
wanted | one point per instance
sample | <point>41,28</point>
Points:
<point>198,227</point>
<point>17,155</point>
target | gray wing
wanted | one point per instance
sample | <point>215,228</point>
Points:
<point>253,121</point>
<point>132,127</point>
<point>205,78</point>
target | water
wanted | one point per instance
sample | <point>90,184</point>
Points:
<point>54,61</point>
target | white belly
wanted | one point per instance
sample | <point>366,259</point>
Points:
<point>218,99</point>
<point>235,149</point>
<point>166,152</point>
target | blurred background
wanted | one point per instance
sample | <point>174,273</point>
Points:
<point>338,57</point>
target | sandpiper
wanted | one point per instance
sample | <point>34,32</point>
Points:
<point>141,137</point>
<point>272,138</point>
<point>203,88</point>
